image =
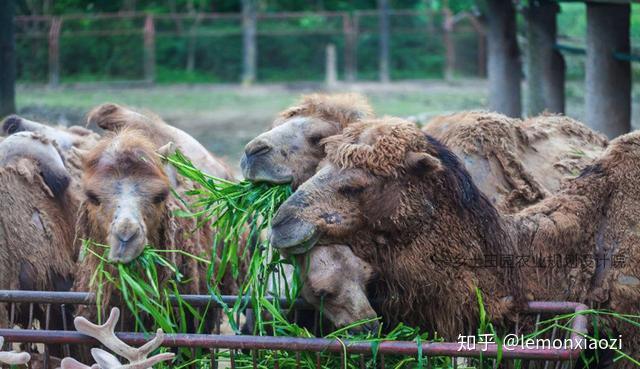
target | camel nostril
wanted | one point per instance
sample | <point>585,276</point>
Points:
<point>371,327</point>
<point>257,149</point>
<point>127,237</point>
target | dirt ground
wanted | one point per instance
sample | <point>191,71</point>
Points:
<point>225,117</point>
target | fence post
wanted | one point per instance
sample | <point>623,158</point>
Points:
<point>350,30</point>
<point>54,51</point>
<point>331,74</point>
<point>482,53</point>
<point>383,28</point>
<point>149,49</point>
<point>449,47</point>
<point>249,53</point>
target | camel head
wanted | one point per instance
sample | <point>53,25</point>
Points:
<point>64,139</point>
<point>335,280</point>
<point>365,184</point>
<point>291,150</point>
<point>113,117</point>
<point>44,152</point>
<point>126,193</point>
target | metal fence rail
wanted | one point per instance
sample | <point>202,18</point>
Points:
<point>234,343</point>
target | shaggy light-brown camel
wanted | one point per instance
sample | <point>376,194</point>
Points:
<point>406,205</point>
<point>128,206</point>
<point>291,150</point>
<point>36,222</point>
<point>335,279</point>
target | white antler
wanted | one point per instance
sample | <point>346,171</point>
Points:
<point>70,363</point>
<point>12,357</point>
<point>106,335</point>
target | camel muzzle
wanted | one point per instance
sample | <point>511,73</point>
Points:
<point>292,234</point>
<point>369,327</point>
<point>127,242</point>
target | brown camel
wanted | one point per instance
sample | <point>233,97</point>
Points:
<point>515,163</point>
<point>128,205</point>
<point>335,279</point>
<point>292,149</point>
<point>37,207</point>
<point>407,206</point>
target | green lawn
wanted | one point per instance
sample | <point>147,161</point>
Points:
<point>225,117</point>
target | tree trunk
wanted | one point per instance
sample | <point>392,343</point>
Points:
<point>383,24</point>
<point>608,80</point>
<point>542,60</point>
<point>504,70</point>
<point>249,42</point>
<point>7,59</point>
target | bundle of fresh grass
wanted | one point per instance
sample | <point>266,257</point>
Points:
<point>239,212</point>
<point>142,290</point>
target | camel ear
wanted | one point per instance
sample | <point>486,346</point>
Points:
<point>12,124</point>
<point>57,179</point>
<point>106,116</point>
<point>167,149</point>
<point>421,162</point>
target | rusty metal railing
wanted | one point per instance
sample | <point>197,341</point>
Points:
<point>233,343</point>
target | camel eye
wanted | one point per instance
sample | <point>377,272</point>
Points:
<point>93,198</point>
<point>349,190</point>
<point>160,197</point>
<point>314,139</point>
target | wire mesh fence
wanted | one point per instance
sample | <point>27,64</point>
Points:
<point>207,47</point>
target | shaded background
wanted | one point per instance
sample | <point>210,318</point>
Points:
<point>198,60</point>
